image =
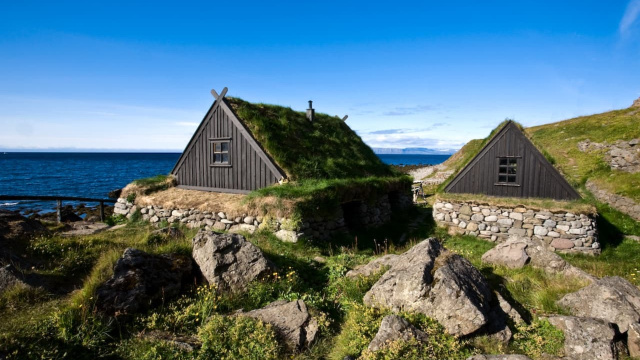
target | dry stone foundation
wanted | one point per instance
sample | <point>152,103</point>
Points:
<point>563,232</point>
<point>321,227</point>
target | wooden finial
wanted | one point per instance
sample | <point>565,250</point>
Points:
<point>218,97</point>
<point>345,118</point>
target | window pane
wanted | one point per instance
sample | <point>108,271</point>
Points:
<point>513,162</point>
<point>218,158</point>
<point>511,170</point>
<point>503,161</point>
<point>216,147</point>
<point>502,178</point>
<point>511,178</point>
<point>225,158</point>
<point>225,146</point>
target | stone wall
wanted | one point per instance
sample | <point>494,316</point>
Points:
<point>359,214</point>
<point>620,203</point>
<point>561,231</point>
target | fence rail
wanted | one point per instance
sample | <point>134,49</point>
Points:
<point>58,200</point>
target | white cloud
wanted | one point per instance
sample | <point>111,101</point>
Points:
<point>630,16</point>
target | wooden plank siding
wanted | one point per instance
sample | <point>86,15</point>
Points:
<point>249,169</point>
<point>535,176</point>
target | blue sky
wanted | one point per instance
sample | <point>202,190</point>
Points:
<point>137,75</point>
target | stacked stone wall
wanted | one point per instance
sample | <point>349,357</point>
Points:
<point>561,231</point>
<point>369,213</point>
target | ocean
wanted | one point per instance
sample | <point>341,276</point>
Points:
<point>94,175</point>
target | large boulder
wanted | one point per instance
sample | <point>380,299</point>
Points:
<point>587,338</point>
<point>444,286</point>
<point>393,328</point>
<point>510,254</point>
<point>519,250</point>
<point>291,321</point>
<point>141,279</point>
<point>373,266</point>
<point>612,299</point>
<point>229,260</point>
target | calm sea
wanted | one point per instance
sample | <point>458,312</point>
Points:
<point>96,174</point>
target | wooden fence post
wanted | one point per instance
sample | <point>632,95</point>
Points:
<point>101,210</point>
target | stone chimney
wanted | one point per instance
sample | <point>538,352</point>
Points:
<point>310,111</point>
<point>635,103</point>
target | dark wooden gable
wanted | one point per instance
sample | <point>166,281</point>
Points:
<point>249,167</point>
<point>534,175</point>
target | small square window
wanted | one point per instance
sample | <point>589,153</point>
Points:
<point>507,170</point>
<point>221,153</point>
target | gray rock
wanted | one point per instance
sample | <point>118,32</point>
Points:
<point>229,260</point>
<point>562,244</point>
<point>140,279</point>
<point>249,220</point>
<point>394,328</point>
<point>465,210</point>
<point>509,310</point>
<point>499,357</point>
<point>586,338</point>
<point>633,340</point>
<point>9,278</point>
<point>291,320</point>
<point>219,225</point>
<point>510,254</point>
<point>456,295</point>
<point>287,235</point>
<point>373,266</point>
<point>612,299</point>
<point>551,262</point>
<point>491,218</point>
<point>242,228</point>
<point>540,231</point>
<point>516,216</point>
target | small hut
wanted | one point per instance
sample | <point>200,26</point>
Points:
<point>240,147</point>
<point>509,165</point>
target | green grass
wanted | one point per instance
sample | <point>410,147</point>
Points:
<point>561,141</point>
<point>323,149</point>
<point>52,325</point>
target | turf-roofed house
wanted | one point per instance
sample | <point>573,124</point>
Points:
<point>308,172</point>
<point>511,187</point>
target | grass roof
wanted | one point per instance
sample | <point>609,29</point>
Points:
<point>323,149</point>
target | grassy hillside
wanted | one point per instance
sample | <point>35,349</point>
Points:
<point>561,141</point>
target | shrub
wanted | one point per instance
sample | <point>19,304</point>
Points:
<point>115,219</point>
<point>131,197</point>
<point>227,337</point>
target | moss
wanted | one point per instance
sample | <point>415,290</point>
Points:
<point>323,149</point>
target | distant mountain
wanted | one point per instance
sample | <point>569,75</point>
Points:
<point>414,151</point>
